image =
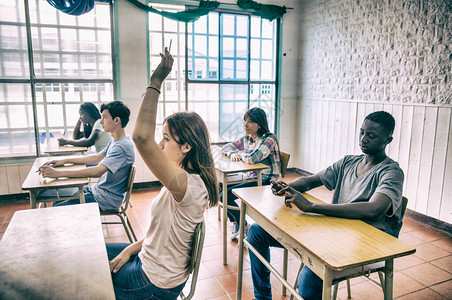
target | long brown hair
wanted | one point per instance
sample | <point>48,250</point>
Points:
<point>258,115</point>
<point>189,127</point>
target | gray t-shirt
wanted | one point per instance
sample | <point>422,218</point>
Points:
<point>386,178</point>
<point>110,188</point>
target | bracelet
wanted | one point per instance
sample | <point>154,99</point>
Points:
<point>154,88</point>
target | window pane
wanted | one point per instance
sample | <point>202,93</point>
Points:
<point>242,25</point>
<point>13,51</point>
<point>242,48</point>
<point>203,99</point>
<point>77,51</point>
<point>263,96</point>
<point>228,47</point>
<point>12,11</point>
<point>228,25</point>
<point>255,70</point>
<point>233,105</point>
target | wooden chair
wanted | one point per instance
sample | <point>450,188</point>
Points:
<point>198,243</point>
<point>357,272</point>
<point>284,157</point>
<point>121,212</point>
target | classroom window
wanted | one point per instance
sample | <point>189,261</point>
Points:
<point>231,66</point>
<point>72,63</point>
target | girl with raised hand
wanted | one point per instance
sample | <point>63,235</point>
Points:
<point>158,265</point>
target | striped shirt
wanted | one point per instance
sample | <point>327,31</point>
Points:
<point>264,149</point>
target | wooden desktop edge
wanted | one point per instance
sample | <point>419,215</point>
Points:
<point>334,268</point>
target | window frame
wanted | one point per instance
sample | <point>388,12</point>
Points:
<point>275,82</point>
<point>35,83</point>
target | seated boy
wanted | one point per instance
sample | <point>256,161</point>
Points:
<point>367,187</point>
<point>112,165</point>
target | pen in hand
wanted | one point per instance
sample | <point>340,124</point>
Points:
<point>51,165</point>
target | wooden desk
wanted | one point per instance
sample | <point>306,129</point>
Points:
<point>324,244</point>
<point>225,167</point>
<point>53,148</point>
<point>55,253</point>
<point>34,183</point>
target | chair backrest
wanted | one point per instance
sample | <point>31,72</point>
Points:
<point>129,187</point>
<point>284,157</point>
<point>404,205</point>
<point>196,253</point>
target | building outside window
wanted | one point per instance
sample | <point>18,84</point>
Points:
<point>71,58</point>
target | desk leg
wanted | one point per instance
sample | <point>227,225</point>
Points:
<point>259,177</point>
<point>327,283</point>
<point>81,194</point>
<point>225,219</point>
<point>240,262</point>
<point>389,273</point>
<point>33,195</point>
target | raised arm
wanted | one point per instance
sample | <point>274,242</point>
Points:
<point>77,134</point>
<point>172,176</point>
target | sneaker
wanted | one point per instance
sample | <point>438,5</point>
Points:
<point>236,231</point>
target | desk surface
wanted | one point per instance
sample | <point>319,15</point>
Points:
<point>55,253</point>
<point>227,166</point>
<point>34,181</point>
<point>339,243</point>
<point>52,147</point>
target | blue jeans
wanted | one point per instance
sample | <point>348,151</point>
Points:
<point>309,284</point>
<point>234,215</point>
<point>89,198</point>
<point>130,282</point>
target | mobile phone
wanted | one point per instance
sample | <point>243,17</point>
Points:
<point>170,43</point>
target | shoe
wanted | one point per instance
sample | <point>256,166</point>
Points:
<point>236,231</point>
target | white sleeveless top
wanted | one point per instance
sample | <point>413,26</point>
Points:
<point>165,251</point>
<point>104,138</point>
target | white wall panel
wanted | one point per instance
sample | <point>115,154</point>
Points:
<point>422,145</point>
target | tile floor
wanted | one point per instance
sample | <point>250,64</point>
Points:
<point>425,275</point>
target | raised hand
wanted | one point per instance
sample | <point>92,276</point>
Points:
<point>163,69</point>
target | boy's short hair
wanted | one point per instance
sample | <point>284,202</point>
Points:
<point>385,119</point>
<point>117,109</point>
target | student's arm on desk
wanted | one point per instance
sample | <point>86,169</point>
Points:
<point>96,171</point>
<point>301,184</point>
<point>123,257</point>
<point>374,209</point>
<point>88,160</point>
<point>84,142</point>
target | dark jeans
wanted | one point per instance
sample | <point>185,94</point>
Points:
<point>130,282</point>
<point>309,284</point>
<point>89,198</point>
<point>234,215</point>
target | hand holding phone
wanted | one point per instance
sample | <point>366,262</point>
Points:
<point>278,187</point>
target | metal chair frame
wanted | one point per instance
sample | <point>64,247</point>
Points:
<point>121,212</point>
